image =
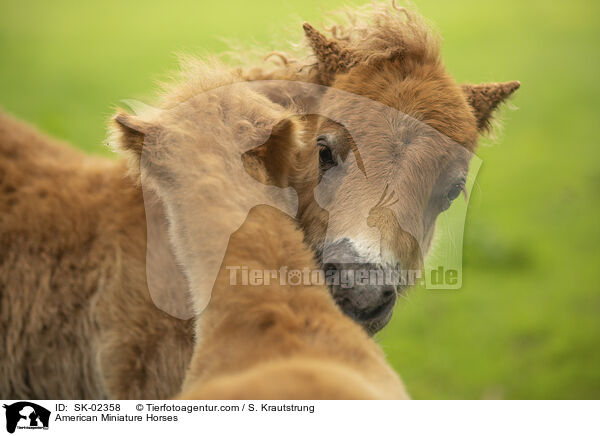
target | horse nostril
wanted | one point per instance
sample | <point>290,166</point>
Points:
<point>388,293</point>
<point>330,268</point>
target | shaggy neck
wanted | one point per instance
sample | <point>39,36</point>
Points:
<point>266,263</point>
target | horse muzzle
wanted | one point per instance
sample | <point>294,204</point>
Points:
<point>365,291</point>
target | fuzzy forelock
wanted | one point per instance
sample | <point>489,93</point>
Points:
<point>379,32</point>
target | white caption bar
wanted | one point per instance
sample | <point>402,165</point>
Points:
<point>299,417</point>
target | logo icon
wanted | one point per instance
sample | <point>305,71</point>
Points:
<point>26,415</point>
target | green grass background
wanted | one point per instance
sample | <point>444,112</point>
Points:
<point>526,323</point>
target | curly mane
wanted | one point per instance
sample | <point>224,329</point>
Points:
<point>372,33</point>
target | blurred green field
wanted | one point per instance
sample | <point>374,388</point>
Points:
<point>526,323</point>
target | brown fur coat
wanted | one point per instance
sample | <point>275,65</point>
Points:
<point>76,318</point>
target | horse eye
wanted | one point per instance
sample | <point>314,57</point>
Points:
<point>326,159</point>
<point>325,155</point>
<point>454,192</point>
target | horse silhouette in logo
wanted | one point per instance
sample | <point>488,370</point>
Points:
<point>28,414</point>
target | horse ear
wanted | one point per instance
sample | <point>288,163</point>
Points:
<point>486,97</point>
<point>331,56</point>
<point>272,162</point>
<point>130,132</point>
